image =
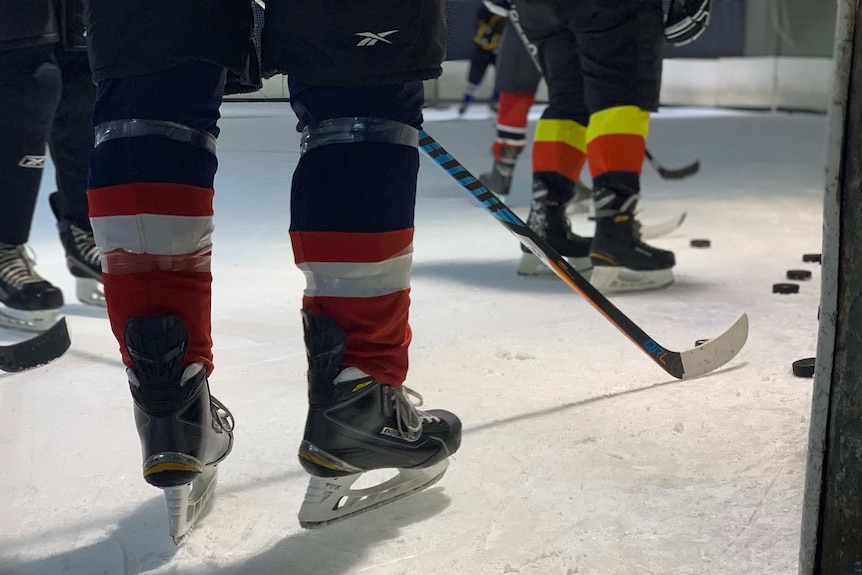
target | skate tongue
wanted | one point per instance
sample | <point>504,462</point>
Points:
<point>349,374</point>
<point>191,371</point>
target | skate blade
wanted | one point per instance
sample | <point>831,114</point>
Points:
<point>186,503</point>
<point>37,321</point>
<point>532,266</point>
<point>330,499</point>
<point>613,279</point>
<point>90,291</point>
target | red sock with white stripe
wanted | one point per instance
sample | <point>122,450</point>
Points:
<point>156,251</point>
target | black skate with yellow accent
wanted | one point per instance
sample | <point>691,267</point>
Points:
<point>621,261</point>
<point>356,424</point>
<point>184,431</point>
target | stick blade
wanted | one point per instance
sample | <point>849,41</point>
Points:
<point>716,352</point>
<point>680,173</point>
<point>38,350</point>
<point>652,231</point>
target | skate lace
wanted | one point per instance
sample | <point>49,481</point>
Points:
<point>16,265</point>
<point>222,413</point>
<point>410,419</point>
<point>85,243</point>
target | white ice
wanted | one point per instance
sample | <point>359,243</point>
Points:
<point>579,455</point>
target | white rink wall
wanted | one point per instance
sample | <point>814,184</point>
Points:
<point>752,82</point>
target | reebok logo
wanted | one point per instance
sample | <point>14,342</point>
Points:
<point>372,38</point>
<point>37,162</point>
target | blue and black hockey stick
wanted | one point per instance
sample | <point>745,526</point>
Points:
<point>682,365</point>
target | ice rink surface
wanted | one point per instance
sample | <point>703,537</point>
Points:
<point>579,455</point>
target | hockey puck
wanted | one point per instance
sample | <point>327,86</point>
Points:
<point>700,342</point>
<point>811,258</point>
<point>785,288</point>
<point>798,275</point>
<point>804,367</point>
<point>699,243</point>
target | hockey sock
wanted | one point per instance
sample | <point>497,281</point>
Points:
<point>352,227</point>
<point>616,142</point>
<point>512,121</point>
<point>151,190</point>
<point>559,151</point>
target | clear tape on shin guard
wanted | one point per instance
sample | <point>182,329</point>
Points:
<point>119,262</point>
<point>132,128</point>
<point>356,130</point>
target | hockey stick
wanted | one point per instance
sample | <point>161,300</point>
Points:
<point>650,231</point>
<point>36,351</point>
<point>682,365</point>
<point>666,173</point>
<point>673,174</point>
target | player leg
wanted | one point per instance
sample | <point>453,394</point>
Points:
<point>516,81</point>
<point>621,57</point>
<point>71,141</point>
<point>29,91</point>
<point>480,59</point>
<point>352,208</point>
<point>151,191</point>
<point>559,149</point>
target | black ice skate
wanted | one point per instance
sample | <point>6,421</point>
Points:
<point>82,257</point>
<point>499,179</point>
<point>185,432</point>
<point>30,303</point>
<point>548,219</point>
<point>356,424</point>
<point>621,261</point>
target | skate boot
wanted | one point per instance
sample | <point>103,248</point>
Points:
<point>356,424</point>
<point>621,261</point>
<point>499,179</point>
<point>185,432</point>
<point>548,219</point>
<point>29,302</point>
<point>82,257</point>
<point>468,98</point>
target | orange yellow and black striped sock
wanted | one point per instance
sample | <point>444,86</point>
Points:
<point>616,143</point>
<point>560,149</point>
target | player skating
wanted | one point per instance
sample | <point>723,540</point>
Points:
<point>603,66</point>
<point>358,96</point>
<point>483,53</point>
<point>46,98</point>
<point>516,82</point>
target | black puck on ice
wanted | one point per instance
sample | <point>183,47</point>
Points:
<point>804,367</point>
<point>811,258</point>
<point>699,243</point>
<point>798,275</point>
<point>700,342</point>
<point>785,288</point>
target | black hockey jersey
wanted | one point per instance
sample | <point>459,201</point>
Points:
<point>25,23</point>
